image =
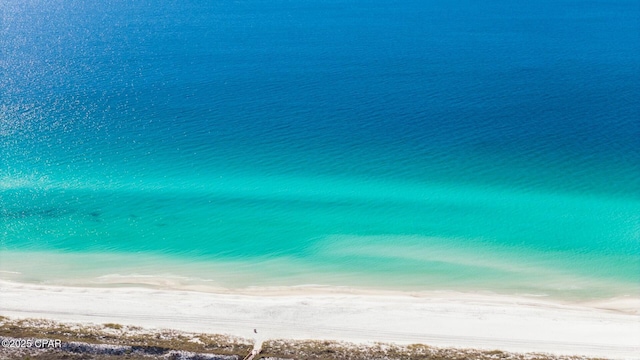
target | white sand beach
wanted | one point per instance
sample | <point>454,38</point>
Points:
<point>606,329</point>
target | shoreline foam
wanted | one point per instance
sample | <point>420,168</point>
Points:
<point>283,275</point>
<point>607,329</point>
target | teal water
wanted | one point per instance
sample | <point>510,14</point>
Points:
<point>452,146</point>
<point>268,231</point>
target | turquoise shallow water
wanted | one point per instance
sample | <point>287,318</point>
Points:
<point>277,231</point>
<point>457,146</point>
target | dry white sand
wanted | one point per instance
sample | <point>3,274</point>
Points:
<point>607,329</point>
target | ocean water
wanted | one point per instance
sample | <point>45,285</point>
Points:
<point>409,145</point>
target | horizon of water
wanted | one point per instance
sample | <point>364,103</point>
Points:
<point>421,146</point>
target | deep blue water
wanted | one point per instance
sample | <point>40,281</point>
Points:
<point>423,142</point>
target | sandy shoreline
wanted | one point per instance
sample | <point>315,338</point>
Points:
<point>606,329</point>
